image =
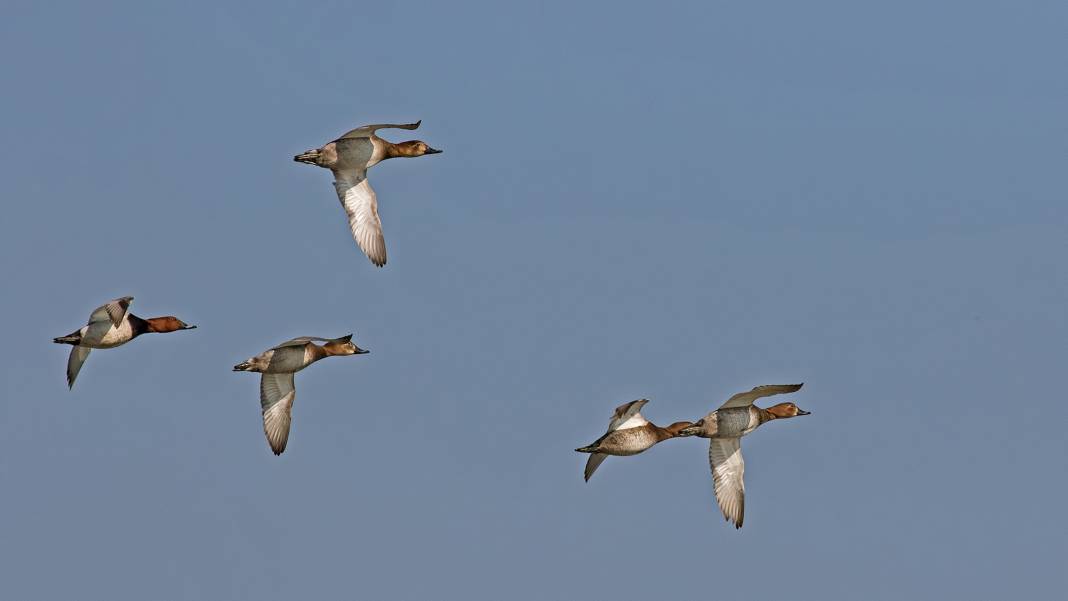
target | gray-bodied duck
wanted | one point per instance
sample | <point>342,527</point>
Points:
<point>349,157</point>
<point>278,365</point>
<point>725,428</point>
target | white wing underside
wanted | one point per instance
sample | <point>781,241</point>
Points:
<point>276,399</point>
<point>78,355</point>
<point>361,205</point>
<point>728,471</point>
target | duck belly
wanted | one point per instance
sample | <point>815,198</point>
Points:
<point>630,441</point>
<point>115,336</point>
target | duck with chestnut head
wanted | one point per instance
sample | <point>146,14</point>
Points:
<point>277,390</point>
<point>725,428</point>
<point>349,157</point>
<point>111,325</point>
<point>628,434</point>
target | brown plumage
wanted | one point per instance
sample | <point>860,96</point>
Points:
<point>628,434</point>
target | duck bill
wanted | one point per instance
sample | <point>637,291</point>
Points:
<point>360,351</point>
<point>690,431</point>
<point>430,150</point>
<point>801,412</point>
<point>189,327</point>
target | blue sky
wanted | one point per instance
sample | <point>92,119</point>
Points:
<point>661,200</point>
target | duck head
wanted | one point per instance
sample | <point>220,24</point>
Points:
<point>167,323</point>
<point>785,410</point>
<point>677,427</point>
<point>412,148</point>
<point>343,346</point>
<point>703,427</point>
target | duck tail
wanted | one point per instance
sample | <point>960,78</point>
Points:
<point>243,366</point>
<point>74,339</point>
<point>590,449</point>
<point>310,157</point>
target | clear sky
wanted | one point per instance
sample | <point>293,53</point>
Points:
<point>660,200</point>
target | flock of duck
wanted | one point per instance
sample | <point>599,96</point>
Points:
<point>348,158</point>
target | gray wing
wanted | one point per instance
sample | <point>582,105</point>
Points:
<point>361,206</point>
<point>78,355</point>
<point>276,400</point>
<point>745,399</point>
<point>113,311</point>
<point>593,463</point>
<point>728,471</point>
<point>301,341</point>
<point>368,130</point>
<point>625,412</point>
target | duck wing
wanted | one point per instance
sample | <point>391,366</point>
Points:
<point>300,341</point>
<point>592,464</point>
<point>78,355</point>
<point>361,205</point>
<point>111,313</point>
<point>745,399</point>
<point>628,415</point>
<point>728,469</point>
<point>368,130</point>
<point>276,400</point>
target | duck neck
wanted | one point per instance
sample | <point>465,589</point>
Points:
<point>400,149</point>
<point>317,353</point>
<point>765,415</point>
<point>140,326</point>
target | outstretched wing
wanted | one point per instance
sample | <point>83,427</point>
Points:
<point>276,400</point>
<point>103,318</point>
<point>728,470</point>
<point>593,463</point>
<point>301,341</point>
<point>745,399</point>
<point>628,415</point>
<point>113,311</point>
<point>368,130</point>
<point>78,355</point>
<point>361,206</point>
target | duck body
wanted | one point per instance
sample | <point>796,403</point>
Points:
<point>277,389</point>
<point>734,422</point>
<point>112,325</point>
<point>284,359</point>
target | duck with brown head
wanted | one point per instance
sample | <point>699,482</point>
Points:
<point>628,434</point>
<point>277,389</point>
<point>725,428</point>
<point>111,325</point>
<point>349,157</point>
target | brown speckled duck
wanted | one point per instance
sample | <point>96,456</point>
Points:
<point>628,434</point>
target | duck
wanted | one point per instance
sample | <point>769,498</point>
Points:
<point>111,325</point>
<point>349,157</point>
<point>725,428</point>
<point>277,366</point>
<point>629,433</point>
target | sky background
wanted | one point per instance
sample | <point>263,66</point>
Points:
<point>661,200</point>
